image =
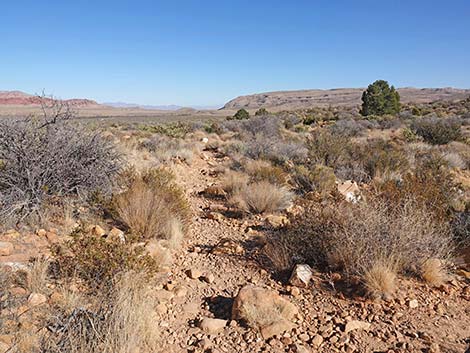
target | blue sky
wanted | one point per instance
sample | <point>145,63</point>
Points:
<point>198,52</point>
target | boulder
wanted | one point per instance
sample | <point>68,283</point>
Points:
<point>350,190</point>
<point>265,310</point>
<point>301,275</point>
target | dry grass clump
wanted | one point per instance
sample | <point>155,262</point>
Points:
<point>380,279</point>
<point>152,205</point>
<point>434,272</point>
<point>260,170</point>
<point>124,322</point>
<point>233,181</point>
<point>262,197</point>
<point>35,278</point>
<point>373,232</point>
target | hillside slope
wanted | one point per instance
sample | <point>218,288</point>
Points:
<point>288,100</point>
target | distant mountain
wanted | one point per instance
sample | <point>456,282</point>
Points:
<point>288,100</point>
<point>25,99</point>
<point>171,107</point>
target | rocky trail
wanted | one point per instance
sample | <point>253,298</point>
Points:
<point>199,300</point>
<point>217,259</point>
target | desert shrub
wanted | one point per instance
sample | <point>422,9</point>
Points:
<point>431,186</point>
<point>151,203</point>
<point>234,181</point>
<point>326,148</point>
<point>123,322</point>
<point>385,162</point>
<point>175,130</point>
<point>409,135</point>
<point>166,148</point>
<point>42,160</point>
<point>261,111</point>
<point>241,114</point>
<point>320,178</point>
<point>349,128</point>
<point>260,170</point>
<point>262,197</point>
<point>96,260</point>
<point>373,240</point>
<point>380,99</point>
<point>437,131</point>
<point>262,139</point>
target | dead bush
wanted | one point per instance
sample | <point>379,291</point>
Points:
<point>151,204</point>
<point>42,159</point>
<point>262,197</point>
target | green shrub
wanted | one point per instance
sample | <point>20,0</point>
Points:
<point>261,111</point>
<point>380,99</point>
<point>175,130</point>
<point>437,131</point>
<point>320,178</point>
<point>241,114</point>
<point>97,260</point>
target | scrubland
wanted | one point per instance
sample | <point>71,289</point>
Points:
<point>138,236</point>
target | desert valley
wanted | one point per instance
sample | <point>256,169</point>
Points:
<point>294,221</point>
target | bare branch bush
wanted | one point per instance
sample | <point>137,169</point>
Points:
<point>49,156</point>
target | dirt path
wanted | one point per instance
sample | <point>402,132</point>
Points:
<point>438,323</point>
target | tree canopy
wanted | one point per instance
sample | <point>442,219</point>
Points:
<point>379,99</point>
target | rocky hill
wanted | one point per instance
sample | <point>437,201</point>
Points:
<point>288,100</point>
<point>25,99</point>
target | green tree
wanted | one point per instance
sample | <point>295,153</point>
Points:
<point>379,99</point>
<point>242,114</point>
<point>261,111</point>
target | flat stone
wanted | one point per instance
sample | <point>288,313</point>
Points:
<point>356,325</point>
<point>6,248</point>
<point>210,325</point>
<point>36,299</point>
<point>194,273</point>
<point>317,341</point>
